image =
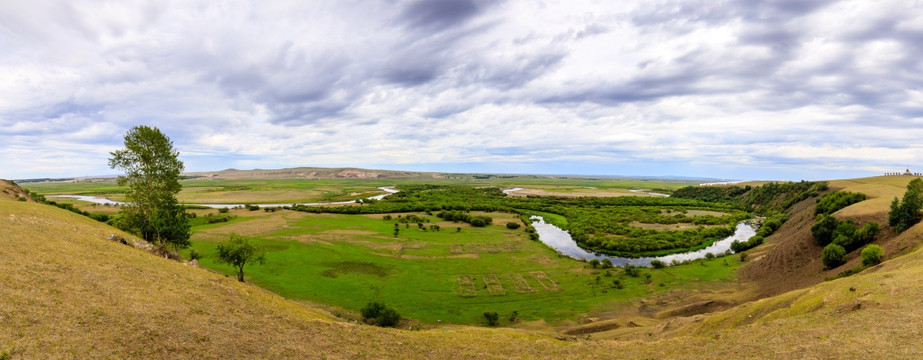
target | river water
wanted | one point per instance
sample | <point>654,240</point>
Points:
<point>561,241</point>
<point>104,201</point>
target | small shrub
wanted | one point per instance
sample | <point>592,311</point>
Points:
<point>512,225</point>
<point>594,263</point>
<point>21,199</point>
<point>833,255</point>
<point>709,256</point>
<point>617,284</point>
<point>388,317</point>
<point>657,264</point>
<point>606,263</point>
<point>743,257</point>
<point>386,217</point>
<point>379,314</point>
<point>871,255</point>
<point>514,317</point>
<point>194,254</point>
<point>223,210</point>
<point>632,271</point>
<point>492,318</point>
<point>868,233</point>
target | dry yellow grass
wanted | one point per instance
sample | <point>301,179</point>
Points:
<point>68,292</point>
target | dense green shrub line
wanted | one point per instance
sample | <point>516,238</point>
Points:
<point>836,200</point>
<point>765,199</point>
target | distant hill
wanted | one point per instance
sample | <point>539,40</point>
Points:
<point>70,292</point>
<point>312,173</point>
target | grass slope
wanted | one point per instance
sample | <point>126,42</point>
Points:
<point>70,293</point>
<point>445,276</point>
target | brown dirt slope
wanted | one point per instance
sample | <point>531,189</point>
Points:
<point>68,292</point>
<point>790,259</point>
<point>10,191</point>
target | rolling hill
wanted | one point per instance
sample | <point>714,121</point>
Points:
<point>71,292</point>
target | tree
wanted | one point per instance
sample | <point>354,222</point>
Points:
<point>906,213</point>
<point>237,252</point>
<point>823,229</point>
<point>152,169</point>
<point>833,255</point>
<point>868,232</point>
<point>871,255</point>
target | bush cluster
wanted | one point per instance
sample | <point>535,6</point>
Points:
<point>871,255</point>
<point>378,314</point>
<point>906,213</point>
<point>476,220</point>
<point>492,318</point>
<point>836,200</point>
<point>832,256</point>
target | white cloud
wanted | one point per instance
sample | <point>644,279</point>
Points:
<point>700,88</point>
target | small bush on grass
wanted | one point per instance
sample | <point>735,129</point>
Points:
<point>833,255</point>
<point>512,225</point>
<point>378,314</point>
<point>492,318</point>
<point>871,255</point>
<point>657,264</point>
<point>632,271</point>
<point>223,210</point>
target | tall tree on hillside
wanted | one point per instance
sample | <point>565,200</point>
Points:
<point>152,169</point>
<point>906,213</point>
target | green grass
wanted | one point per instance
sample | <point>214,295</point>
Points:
<point>349,260</point>
<point>284,191</point>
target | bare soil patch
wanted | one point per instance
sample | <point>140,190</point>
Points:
<point>493,286</point>
<point>544,280</point>
<point>520,283</point>
<point>466,287</point>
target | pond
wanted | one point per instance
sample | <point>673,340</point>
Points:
<point>561,241</point>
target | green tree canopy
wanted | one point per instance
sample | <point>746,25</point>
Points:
<point>832,256</point>
<point>152,169</point>
<point>906,213</point>
<point>238,251</point>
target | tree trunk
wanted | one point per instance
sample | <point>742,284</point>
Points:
<point>240,274</point>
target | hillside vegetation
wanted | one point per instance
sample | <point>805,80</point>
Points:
<point>70,292</point>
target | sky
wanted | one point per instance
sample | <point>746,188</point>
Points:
<point>774,90</point>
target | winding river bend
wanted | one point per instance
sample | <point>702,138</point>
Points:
<point>98,200</point>
<point>548,234</point>
<point>561,241</point>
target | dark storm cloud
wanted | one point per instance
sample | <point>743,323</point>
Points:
<point>437,15</point>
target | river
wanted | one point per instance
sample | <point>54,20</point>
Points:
<point>561,241</point>
<point>98,200</point>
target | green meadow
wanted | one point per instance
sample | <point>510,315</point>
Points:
<point>448,276</point>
